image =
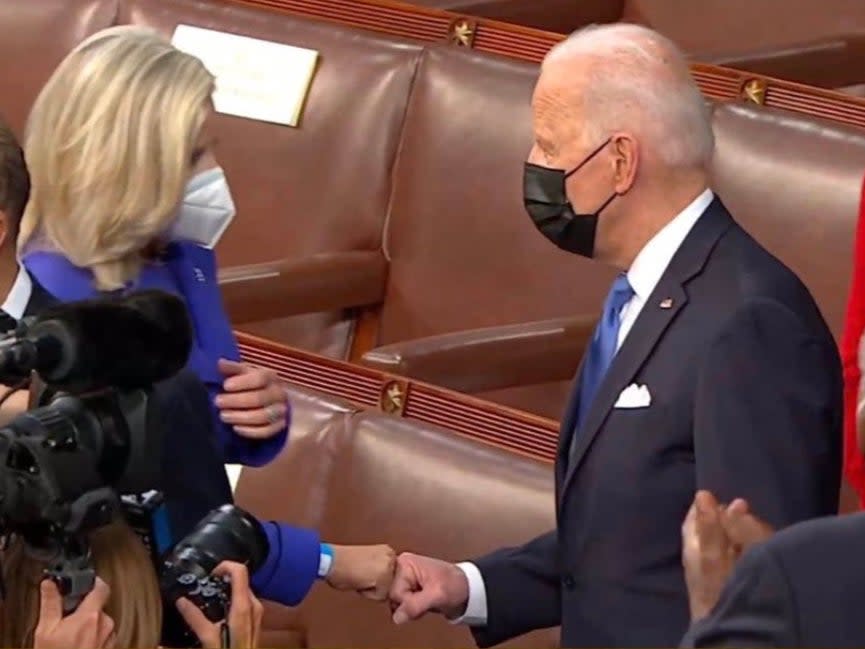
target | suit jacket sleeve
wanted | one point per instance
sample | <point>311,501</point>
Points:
<point>755,609</point>
<point>523,590</point>
<point>767,425</point>
<point>194,269</point>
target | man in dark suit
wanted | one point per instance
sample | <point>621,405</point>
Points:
<point>799,588</point>
<point>711,366</point>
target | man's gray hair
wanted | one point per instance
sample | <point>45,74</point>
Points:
<point>639,81</point>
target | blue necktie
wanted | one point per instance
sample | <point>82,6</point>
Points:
<point>603,347</point>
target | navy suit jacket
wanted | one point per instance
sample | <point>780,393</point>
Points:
<point>801,588</point>
<point>745,385</point>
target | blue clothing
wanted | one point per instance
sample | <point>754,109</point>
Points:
<point>604,342</point>
<point>189,271</point>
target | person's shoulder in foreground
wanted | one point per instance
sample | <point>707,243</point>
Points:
<point>801,588</point>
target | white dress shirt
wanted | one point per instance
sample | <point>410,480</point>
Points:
<point>19,295</point>
<point>643,276</point>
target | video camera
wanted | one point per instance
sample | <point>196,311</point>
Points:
<point>93,434</point>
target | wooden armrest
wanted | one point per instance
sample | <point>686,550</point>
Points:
<point>323,282</point>
<point>492,358</point>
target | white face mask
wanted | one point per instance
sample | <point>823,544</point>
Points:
<point>206,211</point>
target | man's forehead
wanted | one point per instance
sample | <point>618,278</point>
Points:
<point>555,108</point>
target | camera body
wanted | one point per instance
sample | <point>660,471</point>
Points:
<point>226,534</point>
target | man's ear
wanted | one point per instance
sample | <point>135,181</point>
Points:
<point>626,154</point>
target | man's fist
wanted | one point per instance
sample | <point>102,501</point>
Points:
<point>423,585</point>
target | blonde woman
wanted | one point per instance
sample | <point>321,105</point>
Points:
<point>126,195</point>
<point>123,611</point>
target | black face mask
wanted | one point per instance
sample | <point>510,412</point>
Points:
<point>546,201</point>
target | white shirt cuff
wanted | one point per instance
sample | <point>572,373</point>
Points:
<point>476,607</point>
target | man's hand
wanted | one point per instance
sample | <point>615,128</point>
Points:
<point>424,585</point>
<point>254,400</point>
<point>244,616</point>
<point>367,569</point>
<point>742,527</point>
<point>708,555</point>
<point>88,626</point>
<point>713,539</point>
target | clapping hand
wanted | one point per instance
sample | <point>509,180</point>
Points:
<point>713,539</point>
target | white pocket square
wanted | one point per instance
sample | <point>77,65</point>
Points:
<point>634,396</point>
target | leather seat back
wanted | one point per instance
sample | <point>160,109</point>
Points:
<point>34,38</point>
<point>463,251</point>
<point>416,487</point>
<point>794,184</point>
<point>323,186</point>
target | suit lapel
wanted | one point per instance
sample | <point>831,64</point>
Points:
<point>568,424</point>
<point>663,305</point>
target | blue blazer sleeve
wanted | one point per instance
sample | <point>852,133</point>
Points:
<point>194,270</point>
<point>291,566</point>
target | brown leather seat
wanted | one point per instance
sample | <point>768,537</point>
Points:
<point>295,487</point>
<point>417,487</point>
<point>560,16</point>
<point>819,43</point>
<point>794,183</point>
<point>322,187</point>
<point>411,200</point>
<point>34,38</point>
<point>791,180</point>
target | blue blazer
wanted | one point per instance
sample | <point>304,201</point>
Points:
<point>745,385</point>
<point>801,588</point>
<point>189,271</point>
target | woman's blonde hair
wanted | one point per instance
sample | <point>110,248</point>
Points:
<point>121,561</point>
<point>109,144</point>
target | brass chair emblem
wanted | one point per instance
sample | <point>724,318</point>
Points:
<point>393,397</point>
<point>754,91</point>
<point>462,32</point>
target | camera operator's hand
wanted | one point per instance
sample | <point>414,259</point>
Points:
<point>254,400</point>
<point>367,569</point>
<point>88,626</point>
<point>244,616</point>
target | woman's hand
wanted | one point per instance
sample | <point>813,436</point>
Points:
<point>88,626</point>
<point>244,616</point>
<point>254,400</point>
<point>17,403</point>
<point>367,569</point>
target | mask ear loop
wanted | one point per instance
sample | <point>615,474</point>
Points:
<point>606,202</point>
<point>588,157</point>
